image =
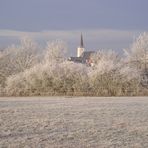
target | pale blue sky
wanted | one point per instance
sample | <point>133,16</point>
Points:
<point>75,16</point>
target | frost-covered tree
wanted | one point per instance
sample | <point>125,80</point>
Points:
<point>55,51</point>
<point>109,76</point>
<point>23,56</point>
<point>105,60</point>
<point>104,74</point>
<point>1,54</point>
<point>74,78</point>
<point>57,79</point>
<point>18,58</point>
<point>1,91</point>
<point>137,55</point>
<point>46,80</point>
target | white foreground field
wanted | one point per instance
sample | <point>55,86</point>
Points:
<point>58,122</point>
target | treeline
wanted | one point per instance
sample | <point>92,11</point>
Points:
<point>25,71</point>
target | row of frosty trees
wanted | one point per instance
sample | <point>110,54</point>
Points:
<point>26,71</point>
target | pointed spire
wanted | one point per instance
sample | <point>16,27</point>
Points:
<point>81,43</point>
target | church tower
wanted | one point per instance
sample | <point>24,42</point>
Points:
<point>80,49</point>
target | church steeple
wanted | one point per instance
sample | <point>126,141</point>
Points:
<point>81,42</point>
<point>80,49</point>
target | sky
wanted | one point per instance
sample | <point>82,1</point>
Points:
<point>104,23</point>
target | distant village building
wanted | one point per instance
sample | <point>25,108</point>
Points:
<point>83,56</point>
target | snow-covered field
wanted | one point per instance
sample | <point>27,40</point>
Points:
<point>58,122</point>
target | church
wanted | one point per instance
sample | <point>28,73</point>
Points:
<point>83,56</point>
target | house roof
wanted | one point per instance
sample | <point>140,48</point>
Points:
<point>85,56</point>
